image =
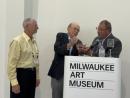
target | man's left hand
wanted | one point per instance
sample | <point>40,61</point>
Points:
<point>37,82</point>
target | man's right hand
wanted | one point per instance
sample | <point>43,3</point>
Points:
<point>73,41</point>
<point>16,89</point>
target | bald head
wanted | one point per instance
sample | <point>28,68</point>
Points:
<point>73,29</point>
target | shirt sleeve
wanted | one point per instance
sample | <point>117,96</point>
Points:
<point>60,45</point>
<point>37,72</point>
<point>37,65</point>
<point>13,58</point>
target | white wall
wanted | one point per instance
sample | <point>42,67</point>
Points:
<point>55,15</point>
<point>12,15</point>
<point>2,45</point>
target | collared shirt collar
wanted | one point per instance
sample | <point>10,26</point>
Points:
<point>27,37</point>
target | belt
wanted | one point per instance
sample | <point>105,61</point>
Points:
<point>27,69</point>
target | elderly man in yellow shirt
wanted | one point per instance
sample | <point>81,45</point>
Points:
<point>23,62</point>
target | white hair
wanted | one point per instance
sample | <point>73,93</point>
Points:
<point>28,21</point>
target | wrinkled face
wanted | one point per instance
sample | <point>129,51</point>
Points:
<point>102,31</point>
<point>73,30</point>
<point>33,27</point>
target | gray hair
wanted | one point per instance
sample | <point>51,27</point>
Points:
<point>27,21</point>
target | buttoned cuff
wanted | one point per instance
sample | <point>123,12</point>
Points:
<point>37,77</point>
<point>14,82</point>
